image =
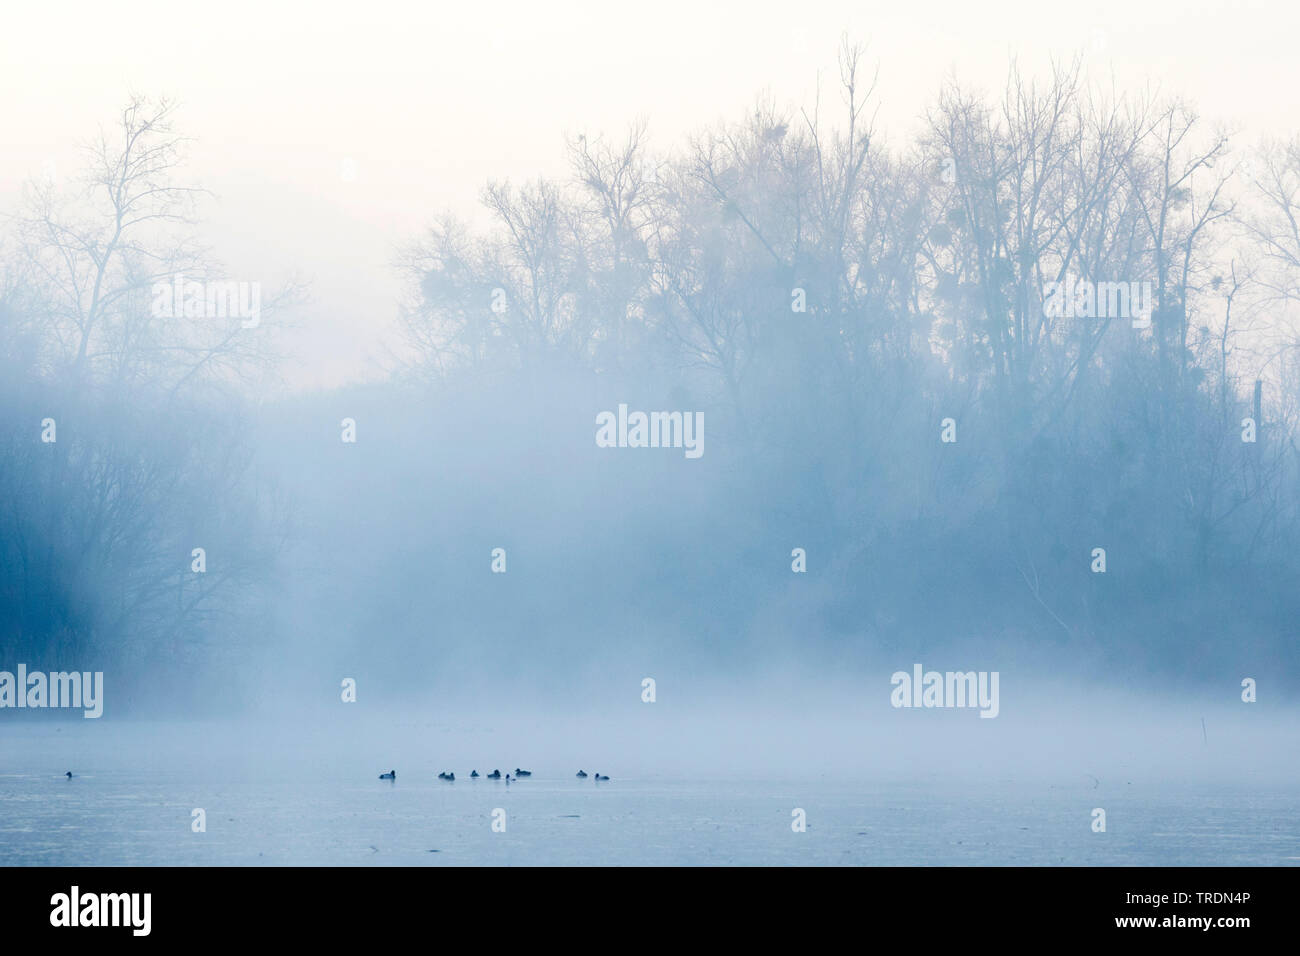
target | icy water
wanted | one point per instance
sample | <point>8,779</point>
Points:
<point>303,810</point>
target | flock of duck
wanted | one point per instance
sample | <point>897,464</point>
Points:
<point>494,775</point>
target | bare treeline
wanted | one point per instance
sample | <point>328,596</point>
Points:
<point>124,448</point>
<point>832,297</point>
<point>833,302</point>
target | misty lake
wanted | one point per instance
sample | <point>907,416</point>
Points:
<point>304,810</point>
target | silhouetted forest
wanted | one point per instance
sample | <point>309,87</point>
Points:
<point>835,302</point>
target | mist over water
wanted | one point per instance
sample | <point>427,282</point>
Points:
<point>688,464</point>
<point>711,782</point>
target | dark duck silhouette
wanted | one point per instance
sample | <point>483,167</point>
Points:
<point>69,774</point>
<point>599,777</point>
<point>494,775</point>
<point>391,775</point>
<point>582,774</point>
<point>473,773</point>
<point>522,773</point>
<point>447,776</point>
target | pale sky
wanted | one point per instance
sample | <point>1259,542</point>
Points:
<point>430,100</point>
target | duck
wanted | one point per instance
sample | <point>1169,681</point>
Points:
<point>391,775</point>
<point>447,776</point>
<point>507,778</point>
<point>494,775</point>
<point>473,773</point>
<point>582,774</point>
<point>69,775</point>
<point>522,773</point>
<point>599,777</point>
